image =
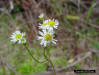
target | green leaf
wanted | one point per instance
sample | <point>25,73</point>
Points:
<point>89,13</point>
<point>71,17</point>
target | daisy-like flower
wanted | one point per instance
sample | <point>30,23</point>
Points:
<point>52,24</point>
<point>49,24</point>
<point>18,37</point>
<point>46,37</point>
<point>44,25</point>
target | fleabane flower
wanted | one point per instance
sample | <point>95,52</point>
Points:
<point>49,24</point>
<point>18,37</point>
<point>52,24</point>
<point>44,25</point>
<point>46,38</point>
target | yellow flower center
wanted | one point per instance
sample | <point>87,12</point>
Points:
<point>18,36</point>
<point>51,23</point>
<point>44,24</point>
<point>48,37</point>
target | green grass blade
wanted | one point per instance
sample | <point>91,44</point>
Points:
<point>89,13</point>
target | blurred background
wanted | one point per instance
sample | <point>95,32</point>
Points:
<point>77,35</point>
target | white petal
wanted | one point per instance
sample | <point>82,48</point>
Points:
<point>55,27</point>
<point>45,43</point>
<point>40,24</point>
<point>13,40</point>
<point>54,41</point>
<point>17,32</point>
<point>44,31</point>
<point>56,22</point>
<point>42,42</point>
<point>41,33</point>
<point>19,42</point>
<point>39,37</point>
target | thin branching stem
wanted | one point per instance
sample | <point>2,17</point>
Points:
<point>49,60</point>
<point>29,51</point>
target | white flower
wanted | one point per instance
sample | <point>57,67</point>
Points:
<point>46,37</point>
<point>19,37</point>
<point>44,25</point>
<point>52,24</point>
<point>49,24</point>
<point>41,16</point>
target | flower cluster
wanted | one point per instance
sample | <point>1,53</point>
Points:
<point>47,34</point>
<point>18,37</point>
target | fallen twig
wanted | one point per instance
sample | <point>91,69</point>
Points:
<point>76,62</point>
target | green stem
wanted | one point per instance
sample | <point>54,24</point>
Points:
<point>48,51</point>
<point>49,60</point>
<point>25,45</point>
